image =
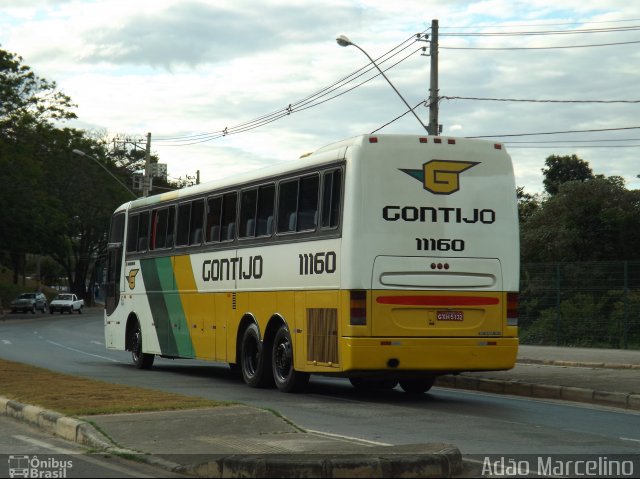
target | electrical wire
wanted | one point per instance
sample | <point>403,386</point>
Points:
<point>557,132</point>
<point>538,48</point>
<point>533,100</point>
<point>309,101</point>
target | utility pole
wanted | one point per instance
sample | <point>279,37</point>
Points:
<point>147,168</point>
<point>433,128</point>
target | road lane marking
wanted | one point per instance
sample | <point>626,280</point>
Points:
<point>82,352</point>
<point>6,341</point>
<point>349,438</point>
<point>80,456</point>
<point>45,445</point>
<point>99,343</point>
<point>629,439</point>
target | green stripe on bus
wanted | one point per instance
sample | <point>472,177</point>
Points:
<point>166,308</point>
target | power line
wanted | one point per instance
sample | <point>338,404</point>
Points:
<point>539,48</point>
<point>557,132</point>
<point>315,99</point>
<point>544,32</point>
<point>533,100</point>
<point>546,24</point>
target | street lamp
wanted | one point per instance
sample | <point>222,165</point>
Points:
<point>82,153</point>
<point>344,41</point>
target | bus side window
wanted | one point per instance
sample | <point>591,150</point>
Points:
<point>184,216</point>
<point>229,216</point>
<point>264,215</point>
<point>331,197</point>
<point>308,203</point>
<point>159,228</point>
<point>143,231</point>
<point>214,212</point>
<point>287,206</point>
<point>171,226</point>
<point>195,226</point>
<point>248,200</point>
<point>132,234</point>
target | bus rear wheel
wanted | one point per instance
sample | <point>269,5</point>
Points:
<point>140,360</point>
<point>417,386</point>
<point>255,363</point>
<point>287,379</point>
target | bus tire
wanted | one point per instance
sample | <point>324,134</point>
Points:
<point>417,386</point>
<point>366,384</point>
<point>140,360</point>
<point>287,379</point>
<point>255,362</point>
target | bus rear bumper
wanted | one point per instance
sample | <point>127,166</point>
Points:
<point>437,355</point>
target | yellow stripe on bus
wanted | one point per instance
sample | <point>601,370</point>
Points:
<point>199,308</point>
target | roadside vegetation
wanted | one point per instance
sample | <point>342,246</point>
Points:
<point>77,396</point>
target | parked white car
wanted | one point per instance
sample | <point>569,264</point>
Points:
<point>66,302</point>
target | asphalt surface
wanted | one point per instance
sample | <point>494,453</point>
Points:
<point>251,442</point>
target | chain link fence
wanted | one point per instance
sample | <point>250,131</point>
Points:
<point>590,304</point>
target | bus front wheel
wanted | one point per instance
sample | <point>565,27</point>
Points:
<point>287,379</point>
<point>255,363</point>
<point>140,360</point>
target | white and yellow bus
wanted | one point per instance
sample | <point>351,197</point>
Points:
<point>386,259</point>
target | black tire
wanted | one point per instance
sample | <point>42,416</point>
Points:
<point>44,308</point>
<point>80,310</point>
<point>417,386</point>
<point>33,309</point>
<point>51,311</point>
<point>367,384</point>
<point>255,361</point>
<point>287,379</point>
<point>140,360</point>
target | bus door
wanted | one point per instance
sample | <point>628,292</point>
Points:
<point>114,274</point>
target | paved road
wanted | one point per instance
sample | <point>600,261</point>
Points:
<point>475,422</point>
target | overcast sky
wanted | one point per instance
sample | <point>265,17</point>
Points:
<point>185,69</point>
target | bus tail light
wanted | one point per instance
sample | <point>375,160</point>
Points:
<point>512,309</point>
<point>358,308</point>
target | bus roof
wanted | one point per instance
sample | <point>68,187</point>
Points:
<point>332,152</point>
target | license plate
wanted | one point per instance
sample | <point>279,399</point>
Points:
<point>450,315</point>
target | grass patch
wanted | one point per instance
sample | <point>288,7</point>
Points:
<point>76,396</point>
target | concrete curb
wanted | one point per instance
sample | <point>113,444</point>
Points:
<point>445,461</point>
<point>429,460</point>
<point>74,430</point>
<point>547,391</point>
<point>579,364</point>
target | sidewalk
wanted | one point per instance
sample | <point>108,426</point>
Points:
<point>608,377</point>
<point>250,442</point>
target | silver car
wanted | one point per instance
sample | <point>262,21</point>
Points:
<point>29,302</point>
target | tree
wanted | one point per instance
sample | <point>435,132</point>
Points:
<point>528,204</point>
<point>598,220</point>
<point>562,169</point>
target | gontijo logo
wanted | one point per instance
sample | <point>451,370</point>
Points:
<point>441,177</point>
<point>132,278</point>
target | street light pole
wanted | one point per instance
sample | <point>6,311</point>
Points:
<point>344,41</point>
<point>82,153</point>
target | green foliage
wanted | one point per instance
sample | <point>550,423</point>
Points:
<point>563,169</point>
<point>53,202</point>
<point>598,220</point>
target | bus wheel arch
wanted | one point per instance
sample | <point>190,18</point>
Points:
<point>285,376</point>
<point>133,343</point>
<point>253,355</point>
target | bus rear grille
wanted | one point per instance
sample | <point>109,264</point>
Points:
<point>322,335</point>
